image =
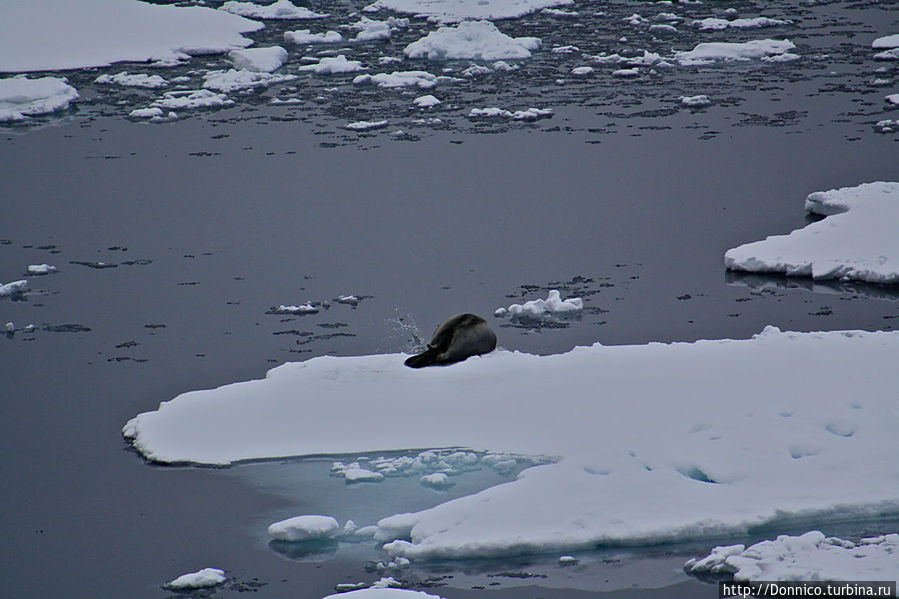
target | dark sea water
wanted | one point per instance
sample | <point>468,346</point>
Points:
<point>621,198</point>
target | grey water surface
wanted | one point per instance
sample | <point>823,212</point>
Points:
<point>174,241</point>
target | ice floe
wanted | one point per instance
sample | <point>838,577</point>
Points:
<point>304,528</point>
<point>582,71</point>
<point>421,79</point>
<point>471,40</point>
<point>137,80</point>
<point>888,41</point>
<point>46,35</point>
<point>233,80</point>
<point>711,51</point>
<point>714,24</point>
<point>656,443</point>
<point>453,11</point>
<point>383,592</point>
<point>259,59</point>
<point>151,113</point>
<point>307,308</point>
<point>886,126</point>
<point>553,305</point>
<point>631,72</point>
<point>280,9</point>
<point>190,99</point>
<point>531,114</point>
<point>427,101</point>
<point>811,557</point>
<point>697,101</point>
<point>41,269</point>
<point>304,36</point>
<point>893,99</point>
<point>21,97</point>
<point>13,288</point>
<point>366,125</point>
<point>334,65</point>
<point>371,30</point>
<point>207,577</point>
<point>857,241</point>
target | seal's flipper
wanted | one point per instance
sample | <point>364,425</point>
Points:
<point>425,358</point>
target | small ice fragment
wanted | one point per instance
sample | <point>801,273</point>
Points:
<point>207,577</point>
<point>304,528</point>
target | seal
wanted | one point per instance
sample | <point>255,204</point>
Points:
<point>458,338</point>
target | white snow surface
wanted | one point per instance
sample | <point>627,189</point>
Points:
<point>453,11</point>
<point>741,51</point>
<point>695,101</point>
<point>191,99</point>
<point>366,125</point>
<point>259,59</point>
<point>383,593</point>
<point>334,64</point>
<point>13,287</point>
<point>810,557</point>
<point>137,80</point>
<point>40,269</point>
<point>857,241</point>
<point>714,24</point>
<point>531,114</point>
<point>656,443</point>
<point>422,79</point>
<point>304,36</point>
<point>889,41</point>
<point>207,577</point>
<point>304,528</point>
<point>471,40</point>
<point>233,80</point>
<point>21,97</point>
<point>281,9</point>
<point>427,101</point>
<point>543,308</point>
<point>39,35</point>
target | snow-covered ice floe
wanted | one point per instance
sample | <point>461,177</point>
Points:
<point>766,50</point>
<point>656,443</point>
<point>21,97</point>
<point>859,239</point>
<point>453,11</point>
<point>334,65</point>
<point>207,577</point>
<point>383,593</point>
<point>695,101</point>
<point>531,114</point>
<point>192,99</point>
<point>125,79</point>
<point>715,24</point>
<point>371,30</point>
<point>812,556</point>
<point>305,36</point>
<point>307,308</point>
<point>233,80</point>
<point>421,79</point>
<point>553,305</point>
<point>13,288</point>
<point>366,125</point>
<point>47,35</point>
<point>427,101</point>
<point>280,9</point>
<point>259,59</point>
<point>304,528</point>
<point>41,269</point>
<point>471,40</point>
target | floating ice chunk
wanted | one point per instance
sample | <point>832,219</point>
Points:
<point>146,113</point>
<point>304,36</point>
<point>695,101</point>
<point>893,99</point>
<point>634,19</point>
<point>304,528</point>
<point>280,9</point>
<point>40,269</point>
<point>645,59</point>
<point>47,35</point>
<point>335,64</point>
<point>207,577</point>
<point>568,560</point>
<point>422,79</point>
<point>21,97</point>
<point>531,114</point>
<point>438,480</point>
<point>886,126</point>
<point>785,57</point>
<point>857,240</point>
<point>582,71</point>
<point>476,70</point>
<point>555,12</point>
<point>713,24</point>
<point>306,308</point>
<point>383,593</point>
<point>453,11</point>
<point>887,55</point>
<point>13,288</point>
<point>361,475</point>
<point>811,556</point>
<point>137,80</point>
<point>668,17</point>
<point>259,59</point>
<point>427,101</point>
<point>233,80</point>
<point>565,50</point>
<point>192,98</point>
<point>10,327</point>
<point>712,51</point>
<point>632,72</point>
<point>471,40</point>
<point>544,308</point>
<point>503,66</point>
<point>662,28</point>
<point>888,41</point>
<point>371,30</point>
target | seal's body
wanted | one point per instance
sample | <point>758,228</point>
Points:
<point>458,338</point>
